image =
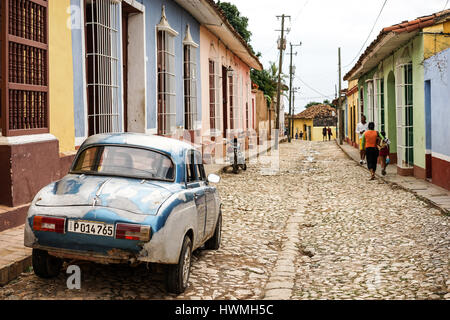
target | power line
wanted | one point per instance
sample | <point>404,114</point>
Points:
<point>445,5</point>
<point>370,33</point>
<point>316,91</point>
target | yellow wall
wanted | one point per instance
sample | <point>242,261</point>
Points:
<point>435,43</point>
<point>352,103</point>
<point>299,126</point>
<point>316,132</point>
<point>61,76</point>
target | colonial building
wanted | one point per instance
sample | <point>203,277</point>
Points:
<point>391,86</point>
<point>312,121</point>
<point>74,68</point>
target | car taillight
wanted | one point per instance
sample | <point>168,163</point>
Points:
<point>132,232</point>
<point>49,224</point>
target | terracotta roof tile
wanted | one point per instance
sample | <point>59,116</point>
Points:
<point>405,26</point>
<point>316,112</point>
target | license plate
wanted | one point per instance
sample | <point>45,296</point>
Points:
<point>92,228</point>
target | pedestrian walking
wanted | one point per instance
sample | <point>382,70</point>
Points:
<point>324,133</point>
<point>296,136</point>
<point>370,141</point>
<point>384,153</point>
<point>301,135</point>
<point>330,134</point>
<point>360,129</point>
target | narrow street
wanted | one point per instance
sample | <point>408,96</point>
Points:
<point>317,230</point>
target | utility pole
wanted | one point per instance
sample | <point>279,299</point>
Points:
<point>281,47</point>
<point>340,109</point>
<point>291,73</point>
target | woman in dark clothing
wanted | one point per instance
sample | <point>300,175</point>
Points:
<point>370,141</point>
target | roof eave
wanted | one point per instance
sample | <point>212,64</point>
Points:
<point>208,14</point>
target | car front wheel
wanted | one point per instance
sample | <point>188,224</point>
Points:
<point>177,276</point>
<point>45,265</point>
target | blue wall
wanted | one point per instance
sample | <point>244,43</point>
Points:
<point>438,73</point>
<point>77,58</point>
<point>178,18</point>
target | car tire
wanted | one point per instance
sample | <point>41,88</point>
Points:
<point>45,265</point>
<point>177,276</point>
<point>214,242</point>
<point>244,167</point>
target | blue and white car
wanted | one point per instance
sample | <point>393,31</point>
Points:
<point>128,198</point>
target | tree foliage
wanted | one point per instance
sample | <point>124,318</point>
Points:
<point>267,81</point>
<point>239,23</point>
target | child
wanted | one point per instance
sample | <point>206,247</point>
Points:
<point>384,153</point>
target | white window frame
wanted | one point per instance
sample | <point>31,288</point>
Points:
<point>166,85</point>
<point>216,91</point>
<point>405,122</point>
<point>190,81</point>
<point>106,69</point>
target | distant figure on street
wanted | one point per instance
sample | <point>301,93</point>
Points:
<point>324,133</point>
<point>384,153</point>
<point>301,135</point>
<point>306,136</point>
<point>360,129</point>
<point>370,141</point>
<point>330,134</point>
<point>296,136</point>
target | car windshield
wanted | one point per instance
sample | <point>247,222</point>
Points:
<point>125,162</point>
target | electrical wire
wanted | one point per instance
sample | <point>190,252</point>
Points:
<point>316,91</point>
<point>445,5</point>
<point>370,33</point>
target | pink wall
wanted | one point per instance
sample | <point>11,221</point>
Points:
<point>212,48</point>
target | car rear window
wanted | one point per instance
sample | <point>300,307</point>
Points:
<point>126,162</point>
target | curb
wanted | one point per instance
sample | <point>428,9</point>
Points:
<point>395,184</point>
<point>14,269</point>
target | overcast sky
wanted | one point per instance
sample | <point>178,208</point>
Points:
<point>322,26</point>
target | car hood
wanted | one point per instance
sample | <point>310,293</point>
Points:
<point>137,196</point>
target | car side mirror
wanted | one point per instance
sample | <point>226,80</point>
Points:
<point>213,178</point>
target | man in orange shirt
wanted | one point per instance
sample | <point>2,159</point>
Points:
<point>370,141</point>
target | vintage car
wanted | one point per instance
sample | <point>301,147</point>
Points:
<point>128,198</point>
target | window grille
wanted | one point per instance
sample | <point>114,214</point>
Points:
<point>102,59</point>
<point>380,105</point>
<point>404,99</point>
<point>24,75</point>
<point>214,96</point>
<point>166,76</point>
<point>370,101</point>
<point>190,81</point>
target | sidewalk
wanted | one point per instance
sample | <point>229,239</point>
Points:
<point>15,258</point>
<point>426,191</point>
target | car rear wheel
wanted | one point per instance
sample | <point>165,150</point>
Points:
<point>45,265</point>
<point>214,242</point>
<point>177,276</point>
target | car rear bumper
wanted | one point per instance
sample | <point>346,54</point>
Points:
<point>113,256</point>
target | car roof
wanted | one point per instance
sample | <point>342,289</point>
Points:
<point>173,147</point>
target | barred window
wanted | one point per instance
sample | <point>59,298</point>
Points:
<point>214,96</point>
<point>166,76</point>
<point>190,81</point>
<point>405,116</point>
<point>102,59</point>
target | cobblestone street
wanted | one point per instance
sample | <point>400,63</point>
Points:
<point>317,230</point>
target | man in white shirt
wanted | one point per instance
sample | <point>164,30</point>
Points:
<point>362,127</point>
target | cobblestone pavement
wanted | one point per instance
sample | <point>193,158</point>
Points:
<point>317,230</point>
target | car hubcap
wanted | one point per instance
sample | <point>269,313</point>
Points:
<point>186,266</point>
